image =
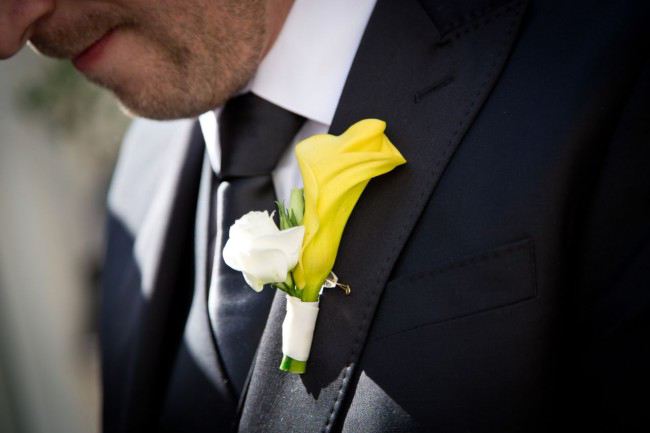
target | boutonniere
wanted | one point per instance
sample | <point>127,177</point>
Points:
<point>298,257</point>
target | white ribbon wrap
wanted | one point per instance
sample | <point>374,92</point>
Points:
<point>298,328</point>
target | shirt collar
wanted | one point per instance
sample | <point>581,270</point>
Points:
<point>307,67</point>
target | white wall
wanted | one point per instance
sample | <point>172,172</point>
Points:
<point>51,227</point>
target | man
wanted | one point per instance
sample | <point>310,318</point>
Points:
<point>500,279</point>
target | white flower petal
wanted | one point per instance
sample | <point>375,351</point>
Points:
<point>253,224</point>
<point>292,242</point>
<point>265,266</point>
<point>230,255</point>
<point>288,241</point>
<point>252,281</point>
<point>260,250</point>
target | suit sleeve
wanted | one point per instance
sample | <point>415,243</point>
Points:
<point>612,297</point>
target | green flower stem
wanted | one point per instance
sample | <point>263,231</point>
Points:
<point>289,286</point>
<point>295,291</point>
<point>281,286</point>
<point>292,365</point>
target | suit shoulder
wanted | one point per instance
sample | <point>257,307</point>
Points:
<point>149,150</point>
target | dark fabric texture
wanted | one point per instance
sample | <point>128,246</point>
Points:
<point>142,329</point>
<point>253,134</point>
<point>226,317</point>
<point>198,397</point>
<point>500,278</point>
<point>427,131</point>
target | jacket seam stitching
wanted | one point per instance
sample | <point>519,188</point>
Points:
<point>365,321</point>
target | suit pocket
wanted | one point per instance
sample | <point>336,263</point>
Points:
<point>493,279</point>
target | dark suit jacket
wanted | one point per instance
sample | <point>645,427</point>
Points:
<point>500,279</point>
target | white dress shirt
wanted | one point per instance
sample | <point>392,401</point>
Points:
<point>304,72</point>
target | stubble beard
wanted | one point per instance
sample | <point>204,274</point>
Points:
<point>199,70</point>
<point>194,62</point>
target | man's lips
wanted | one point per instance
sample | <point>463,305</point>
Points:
<point>87,57</point>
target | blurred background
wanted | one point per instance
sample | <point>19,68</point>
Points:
<point>59,137</point>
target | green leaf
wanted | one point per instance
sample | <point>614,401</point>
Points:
<point>292,219</point>
<point>282,214</point>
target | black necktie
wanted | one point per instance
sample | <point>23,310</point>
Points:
<point>253,134</point>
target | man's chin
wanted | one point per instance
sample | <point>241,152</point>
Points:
<point>158,88</point>
<point>158,104</point>
<point>156,113</point>
<point>154,110</point>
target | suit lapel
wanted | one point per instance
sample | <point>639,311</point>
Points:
<point>426,71</point>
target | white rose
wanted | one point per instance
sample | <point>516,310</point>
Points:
<point>261,251</point>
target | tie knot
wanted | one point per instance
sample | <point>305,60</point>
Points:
<point>254,133</point>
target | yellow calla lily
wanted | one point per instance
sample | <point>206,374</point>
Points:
<point>335,171</point>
